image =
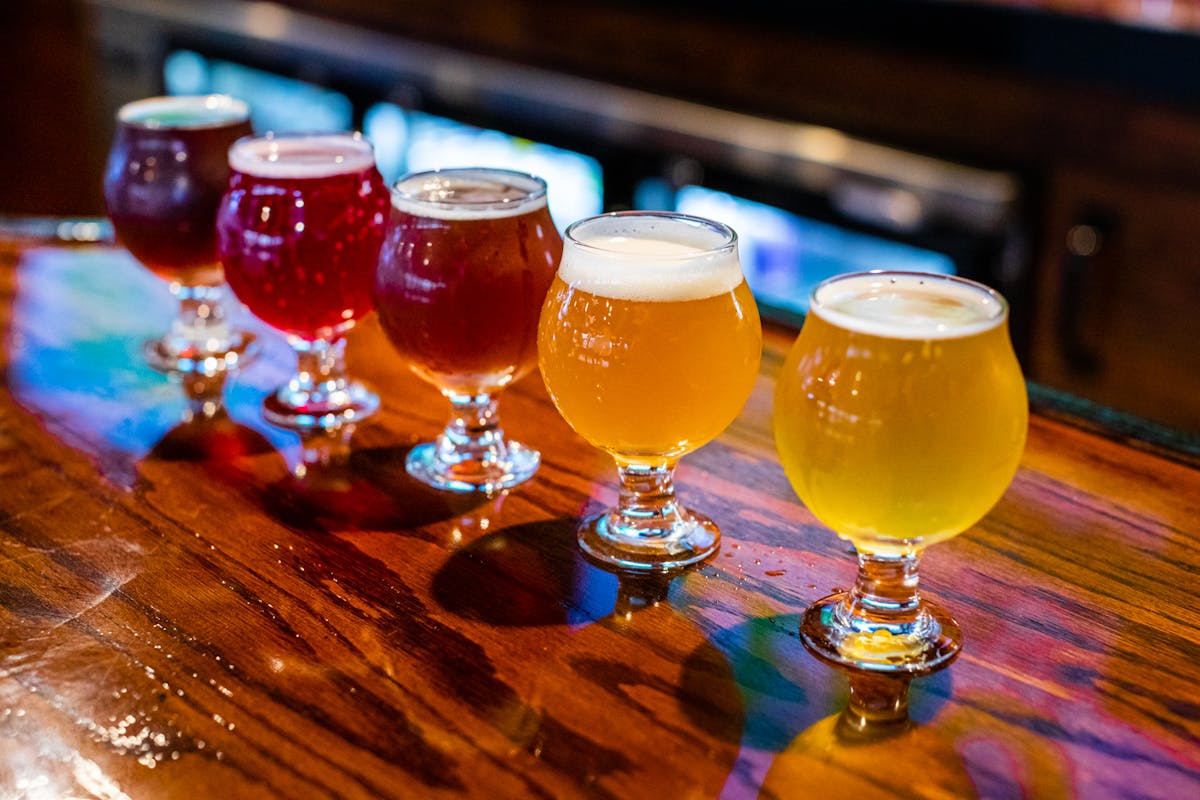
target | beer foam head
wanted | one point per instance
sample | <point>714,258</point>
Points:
<point>318,155</point>
<point>184,111</point>
<point>470,193</point>
<point>651,256</point>
<point>908,305</point>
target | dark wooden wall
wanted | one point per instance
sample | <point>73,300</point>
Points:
<point>50,162</point>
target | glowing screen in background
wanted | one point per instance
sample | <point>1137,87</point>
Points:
<point>783,255</point>
<point>276,103</point>
<point>405,141</point>
<point>411,141</point>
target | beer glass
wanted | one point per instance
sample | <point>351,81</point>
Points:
<point>166,171</point>
<point>468,258</point>
<point>900,416</point>
<point>299,232</point>
<point>649,344</point>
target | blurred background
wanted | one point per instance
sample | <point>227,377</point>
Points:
<point>1050,149</point>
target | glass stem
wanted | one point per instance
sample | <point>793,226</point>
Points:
<point>647,494</point>
<point>885,592</point>
<point>201,322</point>
<point>320,370</point>
<point>203,393</point>
<point>474,432</point>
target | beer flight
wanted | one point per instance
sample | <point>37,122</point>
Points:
<point>900,413</point>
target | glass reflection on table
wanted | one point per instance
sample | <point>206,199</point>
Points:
<point>79,318</point>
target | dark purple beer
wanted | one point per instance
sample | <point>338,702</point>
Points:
<point>167,170</point>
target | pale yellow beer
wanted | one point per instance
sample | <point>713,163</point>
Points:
<point>649,348</point>
<point>900,414</point>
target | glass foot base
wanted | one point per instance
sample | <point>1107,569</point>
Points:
<point>689,539</point>
<point>472,474</point>
<point>926,645</point>
<point>160,355</point>
<point>352,404</point>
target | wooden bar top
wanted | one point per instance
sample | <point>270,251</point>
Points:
<point>196,604</point>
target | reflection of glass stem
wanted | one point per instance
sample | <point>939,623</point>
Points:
<point>203,394</point>
<point>324,449</point>
<point>473,433</point>
<point>639,591</point>
<point>885,594</point>
<point>648,496</point>
<point>477,521</point>
<point>878,706</point>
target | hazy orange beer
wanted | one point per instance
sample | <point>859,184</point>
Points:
<point>649,344</point>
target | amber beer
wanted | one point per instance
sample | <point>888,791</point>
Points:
<point>465,267</point>
<point>901,412</point>
<point>654,357</point>
<point>467,260</point>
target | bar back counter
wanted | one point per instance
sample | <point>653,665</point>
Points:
<point>196,603</point>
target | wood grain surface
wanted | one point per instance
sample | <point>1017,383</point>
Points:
<point>196,604</point>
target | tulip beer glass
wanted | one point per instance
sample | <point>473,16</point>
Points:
<point>466,264</point>
<point>900,415</point>
<point>300,228</point>
<point>166,171</point>
<point>649,344</point>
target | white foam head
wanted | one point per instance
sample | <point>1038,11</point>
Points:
<point>651,256</point>
<point>184,111</point>
<point>469,193</point>
<point>909,305</point>
<point>312,155</point>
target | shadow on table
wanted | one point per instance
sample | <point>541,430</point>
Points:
<point>205,432</point>
<point>522,575</point>
<point>615,648</point>
<point>335,487</point>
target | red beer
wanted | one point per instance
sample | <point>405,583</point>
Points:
<point>300,230</point>
<point>466,265</point>
<point>166,171</point>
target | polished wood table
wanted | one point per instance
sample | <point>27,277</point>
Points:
<point>196,604</point>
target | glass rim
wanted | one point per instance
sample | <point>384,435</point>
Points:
<point>209,101</point>
<point>355,135</point>
<point>240,160</point>
<point>996,319</point>
<point>1001,300</point>
<point>536,191</point>
<point>728,241</point>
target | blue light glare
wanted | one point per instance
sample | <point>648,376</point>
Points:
<point>413,141</point>
<point>276,103</point>
<point>784,255</point>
